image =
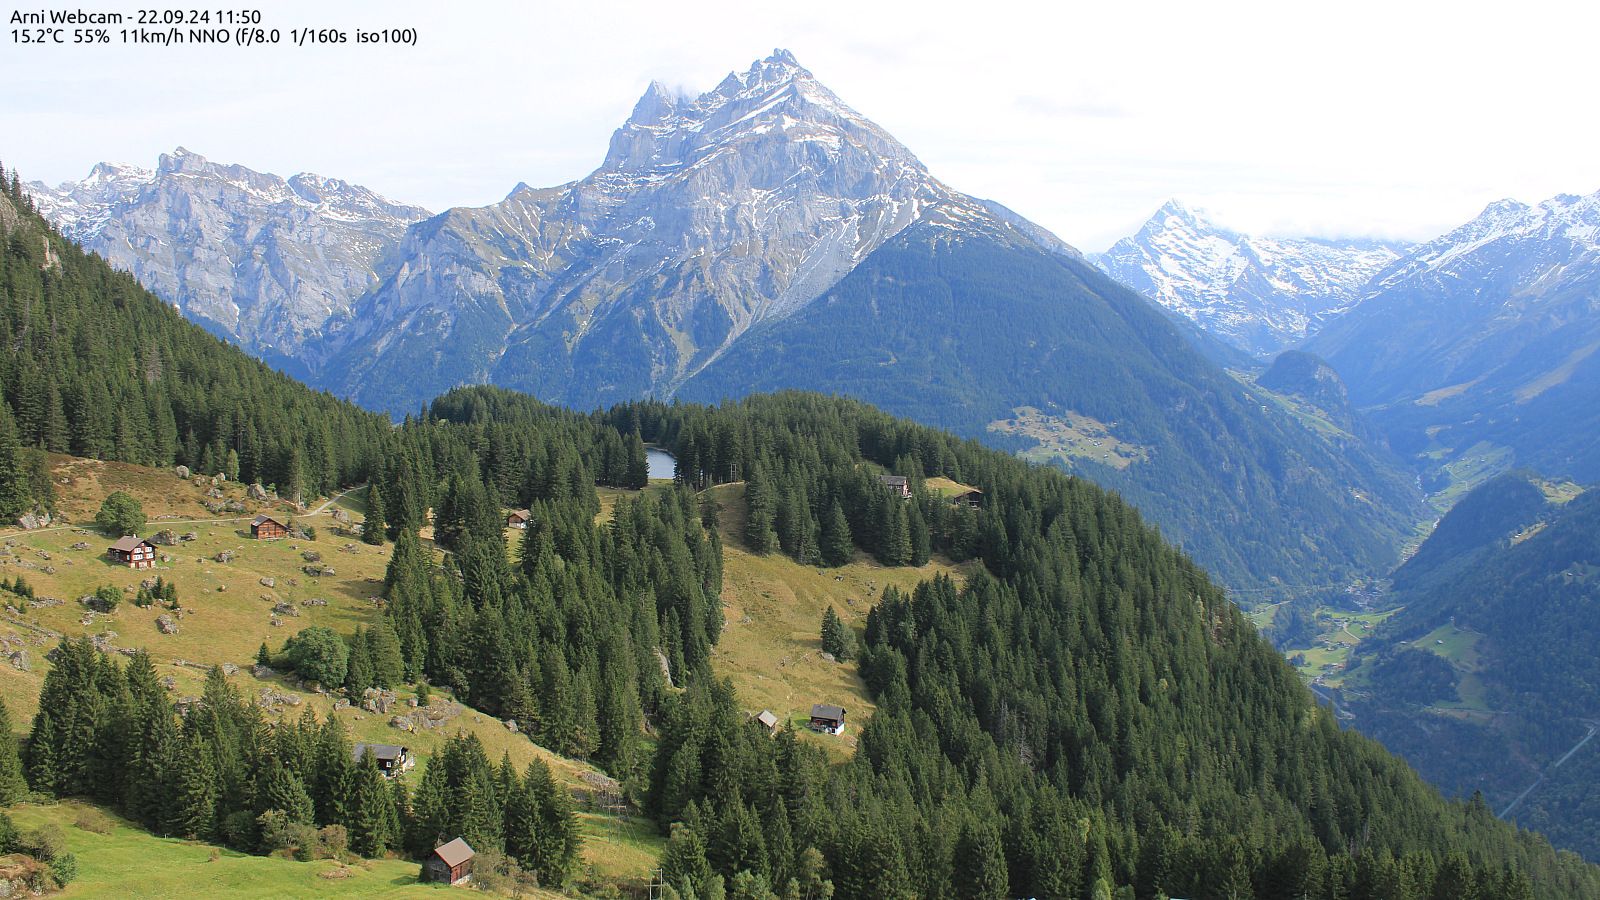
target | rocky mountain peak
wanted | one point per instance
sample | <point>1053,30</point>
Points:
<point>262,260</point>
<point>775,101</point>
<point>1260,294</point>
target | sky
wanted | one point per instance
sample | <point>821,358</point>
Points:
<point>1397,119</point>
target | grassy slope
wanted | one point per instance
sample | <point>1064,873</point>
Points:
<point>228,625</point>
<point>131,863</point>
<point>771,646</point>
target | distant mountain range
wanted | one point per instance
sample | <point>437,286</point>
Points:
<point>260,260</point>
<point>1478,349</point>
<point>1471,353</point>
<point>1258,294</point>
<point>761,236</point>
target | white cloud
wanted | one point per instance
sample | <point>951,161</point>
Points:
<point>1352,118</point>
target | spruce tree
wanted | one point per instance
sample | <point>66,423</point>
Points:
<point>385,656</point>
<point>761,513</point>
<point>193,812</point>
<point>283,790</point>
<point>837,548</point>
<point>13,786</point>
<point>833,635</point>
<point>980,865</point>
<point>373,820</point>
<point>358,674</point>
<point>15,492</point>
<point>373,528</point>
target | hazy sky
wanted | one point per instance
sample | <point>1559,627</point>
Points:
<point>1396,119</point>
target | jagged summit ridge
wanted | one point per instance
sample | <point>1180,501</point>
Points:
<point>262,260</point>
<point>709,215</point>
<point>1260,294</point>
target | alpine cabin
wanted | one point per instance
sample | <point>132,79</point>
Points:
<point>971,498</point>
<point>392,758</point>
<point>266,528</point>
<point>827,718</point>
<point>449,863</point>
<point>517,518</point>
<point>133,552</point>
<point>899,485</point>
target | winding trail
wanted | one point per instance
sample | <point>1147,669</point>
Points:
<point>163,522</point>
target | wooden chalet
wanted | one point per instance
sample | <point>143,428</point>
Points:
<point>133,552</point>
<point>972,498</point>
<point>768,720</point>
<point>392,758</point>
<point>517,518</point>
<point>266,528</point>
<point>449,863</point>
<point>827,718</point>
<point>899,485</point>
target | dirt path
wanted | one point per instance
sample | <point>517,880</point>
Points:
<point>315,512</point>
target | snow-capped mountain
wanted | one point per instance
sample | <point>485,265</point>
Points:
<point>1259,294</point>
<point>262,260</point>
<point>708,216</point>
<point>765,236</point>
<point>1488,333</point>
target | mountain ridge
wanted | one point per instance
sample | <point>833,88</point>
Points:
<point>1260,294</point>
<point>261,260</point>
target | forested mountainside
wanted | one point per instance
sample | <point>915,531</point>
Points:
<point>1088,711</point>
<point>96,366</point>
<point>259,260</point>
<point>758,214</point>
<point>1482,678</point>
<point>1044,355</point>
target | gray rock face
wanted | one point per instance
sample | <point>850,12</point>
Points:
<point>261,260</point>
<point>710,216</point>
<point>1258,294</point>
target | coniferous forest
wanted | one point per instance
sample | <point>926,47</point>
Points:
<point>1085,716</point>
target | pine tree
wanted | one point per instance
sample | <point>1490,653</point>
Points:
<point>638,463</point>
<point>388,662</point>
<point>283,790</point>
<point>193,812</point>
<point>760,504</point>
<point>980,865</point>
<point>15,492</point>
<point>374,526</point>
<point>837,548</point>
<point>13,786</point>
<point>921,539</point>
<point>683,863</point>
<point>373,820</point>
<point>358,674</point>
<point>896,535</point>
<point>834,635</point>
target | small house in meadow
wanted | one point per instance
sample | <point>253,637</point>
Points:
<point>449,863</point>
<point>392,758</point>
<point>517,518</point>
<point>768,720</point>
<point>827,718</point>
<point>133,552</point>
<point>266,528</point>
<point>899,485</point>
